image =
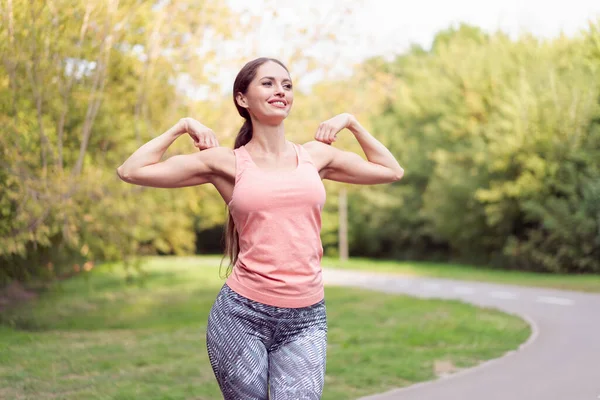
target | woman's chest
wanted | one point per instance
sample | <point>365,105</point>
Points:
<point>259,190</point>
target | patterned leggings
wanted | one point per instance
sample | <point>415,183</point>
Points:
<point>260,352</point>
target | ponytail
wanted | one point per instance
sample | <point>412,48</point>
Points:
<point>231,238</point>
<point>244,135</point>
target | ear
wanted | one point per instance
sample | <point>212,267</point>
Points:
<point>241,100</point>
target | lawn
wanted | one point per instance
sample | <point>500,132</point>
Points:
<point>582,283</point>
<point>103,338</point>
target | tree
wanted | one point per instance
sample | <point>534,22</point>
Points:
<point>87,83</point>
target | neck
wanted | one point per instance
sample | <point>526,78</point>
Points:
<point>268,139</point>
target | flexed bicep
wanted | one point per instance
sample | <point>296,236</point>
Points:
<point>349,167</point>
<point>345,166</point>
<point>178,171</point>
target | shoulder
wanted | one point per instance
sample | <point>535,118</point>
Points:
<point>217,158</point>
<point>315,146</point>
<point>216,154</point>
<point>320,153</point>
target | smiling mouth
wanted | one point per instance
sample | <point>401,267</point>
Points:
<point>279,104</point>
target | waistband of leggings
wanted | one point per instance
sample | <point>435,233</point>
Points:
<point>274,311</point>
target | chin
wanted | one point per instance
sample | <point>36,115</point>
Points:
<point>274,118</point>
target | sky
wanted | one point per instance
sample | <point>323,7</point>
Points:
<point>385,27</point>
<point>389,27</point>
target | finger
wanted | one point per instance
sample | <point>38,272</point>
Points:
<point>318,133</point>
<point>330,133</point>
<point>323,133</point>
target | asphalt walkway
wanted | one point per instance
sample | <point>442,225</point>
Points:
<point>560,360</point>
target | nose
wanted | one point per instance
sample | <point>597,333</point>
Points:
<point>279,90</point>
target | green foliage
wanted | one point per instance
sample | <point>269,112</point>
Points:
<point>500,142</point>
<point>499,139</point>
<point>82,86</point>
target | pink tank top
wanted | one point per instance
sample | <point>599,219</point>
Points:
<point>277,215</point>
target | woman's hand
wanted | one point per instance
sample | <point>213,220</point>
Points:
<point>329,129</point>
<point>203,137</point>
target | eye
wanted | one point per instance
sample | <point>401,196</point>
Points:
<point>288,86</point>
<point>266,83</point>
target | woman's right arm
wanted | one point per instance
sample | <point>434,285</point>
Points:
<point>144,167</point>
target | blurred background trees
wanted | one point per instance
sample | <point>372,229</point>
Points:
<point>500,139</point>
<point>86,83</point>
<point>501,146</point>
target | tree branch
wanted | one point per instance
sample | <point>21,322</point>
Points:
<point>97,87</point>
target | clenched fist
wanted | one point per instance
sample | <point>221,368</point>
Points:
<point>328,130</point>
<point>203,137</point>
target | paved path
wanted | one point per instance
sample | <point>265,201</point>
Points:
<point>560,361</point>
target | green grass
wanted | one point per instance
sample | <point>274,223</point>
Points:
<point>582,283</point>
<point>101,338</point>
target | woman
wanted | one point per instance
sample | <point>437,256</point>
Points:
<point>267,330</point>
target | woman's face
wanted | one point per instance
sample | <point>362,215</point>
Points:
<point>269,96</point>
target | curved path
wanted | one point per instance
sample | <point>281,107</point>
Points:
<point>560,361</point>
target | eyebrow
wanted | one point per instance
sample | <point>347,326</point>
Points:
<point>273,78</point>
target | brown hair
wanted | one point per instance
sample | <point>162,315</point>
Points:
<point>240,85</point>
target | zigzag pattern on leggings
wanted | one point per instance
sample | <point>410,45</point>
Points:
<point>261,352</point>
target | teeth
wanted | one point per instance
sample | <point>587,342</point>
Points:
<point>279,103</point>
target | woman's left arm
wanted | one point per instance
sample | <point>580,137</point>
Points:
<point>343,166</point>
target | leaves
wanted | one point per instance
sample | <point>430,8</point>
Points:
<point>498,139</point>
<point>86,84</point>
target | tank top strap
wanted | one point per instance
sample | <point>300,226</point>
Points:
<point>303,155</point>
<point>242,161</point>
